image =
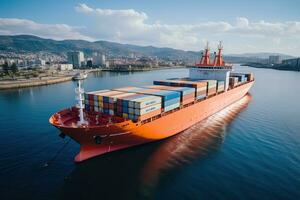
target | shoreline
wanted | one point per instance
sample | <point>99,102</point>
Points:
<point>5,85</point>
<point>17,84</point>
<point>140,70</point>
<point>276,67</point>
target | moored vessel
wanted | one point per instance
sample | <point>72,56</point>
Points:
<point>109,120</point>
<point>80,76</point>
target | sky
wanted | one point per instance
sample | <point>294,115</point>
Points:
<point>243,26</point>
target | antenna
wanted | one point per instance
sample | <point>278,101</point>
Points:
<point>207,46</point>
<point>80,99</point>
<point>220,46</point>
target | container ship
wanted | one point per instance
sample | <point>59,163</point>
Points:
<point>108,120</point>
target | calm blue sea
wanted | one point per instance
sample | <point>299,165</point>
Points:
<point>251,150</point>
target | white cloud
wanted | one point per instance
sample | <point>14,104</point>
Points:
<point>130,26</point>
<point>13,26</point>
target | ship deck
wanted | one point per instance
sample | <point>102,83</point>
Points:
<point>69,117</point>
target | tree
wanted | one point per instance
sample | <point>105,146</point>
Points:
<point>14,68</point>
<point>5,68</point>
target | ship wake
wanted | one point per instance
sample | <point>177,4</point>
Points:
<point>196,142</point>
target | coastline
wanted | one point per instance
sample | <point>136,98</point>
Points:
<point>23,83</point>
<point>30,83</point>
<point>275,67</point>
<point>140,69</point>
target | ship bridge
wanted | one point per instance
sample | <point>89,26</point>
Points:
<point>207,70</point>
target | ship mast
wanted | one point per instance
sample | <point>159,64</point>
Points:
<point>205,60</point>
<point>80,98</point>
<point>218,61</point>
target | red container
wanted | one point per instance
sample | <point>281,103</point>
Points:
<point>111,106</point>
<point>119,102</point>
<point>92,108</point>
<point>188,96</point>
<point>119,109</point>
<point>91,102</point>
<point>91,96</point>
<point>106,105</point>
<point>187,101</point>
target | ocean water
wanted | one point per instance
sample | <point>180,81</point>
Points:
<point>250,150</point>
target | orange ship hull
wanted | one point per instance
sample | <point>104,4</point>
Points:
<point>115,136</point>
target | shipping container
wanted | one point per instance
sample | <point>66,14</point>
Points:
<point>90,95</point>
<point>187,101</point>
<point>172,107</point>
<point>146,110</point>
<point>250,77</point>
<point>201,96</point>
<point>221,86</point>
<point>233,81</point>
<point>149,115</point>
<point>147,100</point>
<point>182,90</point>
<point>171,102</point>
<point>200,85</point>
<point>128,89</point>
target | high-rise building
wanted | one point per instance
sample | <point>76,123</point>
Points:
<point>98,59</point>
<point>76,58</point>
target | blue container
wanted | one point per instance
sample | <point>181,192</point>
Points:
<point>171,107</point>
<point>106,110</point>
<point>168,83</point>
<point>125,109</point>
<point>167,95</point>
<point>171,102</point>
<point>124,103</point>
<point>106,99</point>
<point>131,116</point>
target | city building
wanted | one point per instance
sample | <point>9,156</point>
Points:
<point>40,62</point>
<point>98,59</point>
<point>274,59</point>
<point>89,63</point>
<point>76,58</point>
<point>65,67</point>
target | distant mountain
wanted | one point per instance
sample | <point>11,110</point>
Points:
<point>33,44</point>
<point>28,43</point>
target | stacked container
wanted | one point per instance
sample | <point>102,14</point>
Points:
<point>220,86</point>
<point>241,77</point>
<point>212,87</point>
<point>170,99</point>
<point>139,106</point>
<point>187,95</point>
<point>250,77</point>
<point>200,86</point>
<point>91,101</point>
<point>233,81</point>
